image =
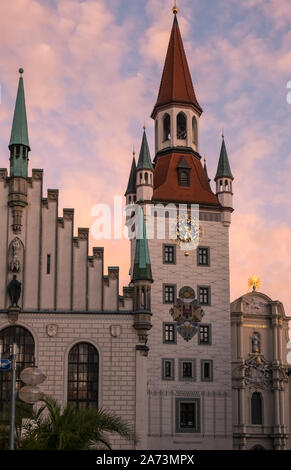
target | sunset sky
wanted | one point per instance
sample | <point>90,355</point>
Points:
<point>92,70</point>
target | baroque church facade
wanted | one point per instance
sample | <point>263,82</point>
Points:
<point>171,355</point>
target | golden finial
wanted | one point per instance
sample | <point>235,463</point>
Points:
<point>222,134</point>
<point>254,282</point>
<point>175,9</point>
<point>133,151</point>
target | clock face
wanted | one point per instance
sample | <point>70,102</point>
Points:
<point>188,232</point>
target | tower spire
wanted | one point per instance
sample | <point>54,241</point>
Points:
<point>144,161</point>
<point>223,168</point>
<point>19,142</point>
<point>176,85</point>
<point>131,187</point>
<point>19,132</point>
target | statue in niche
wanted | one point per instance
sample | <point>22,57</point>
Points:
<point>256,343</point>
<point>14,291</point>
<point>15,251</point>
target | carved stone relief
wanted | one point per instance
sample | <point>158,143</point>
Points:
<point>52,330</point>
<point>255,305</point>
<point>15,255</point>
<point>258,372</point>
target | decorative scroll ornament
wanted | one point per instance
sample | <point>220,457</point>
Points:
<point>187,313</point>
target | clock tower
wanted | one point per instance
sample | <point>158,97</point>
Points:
<point>189,374</point>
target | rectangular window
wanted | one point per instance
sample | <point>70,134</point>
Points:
<point>204,336</point>
<point>187,415</point>
<point>169,254</point>
<point>206,370</point>
<point>203,256</point>
<point>187,369</point>
<point>204,295</point>
<point>169,293</point>
<point>169,333</point>
<point>48,264</point>
<point>168,369</point>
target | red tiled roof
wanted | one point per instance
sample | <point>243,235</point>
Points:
<point>166,184</point>
<point>176,84</point>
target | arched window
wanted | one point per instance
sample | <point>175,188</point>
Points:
<point>256,408</point>
<point>83,364</point>
<point>181,126</point>
<point>146,178</point>
<point>25,358</point>
<point>166,127</point>
<point>195,130</point>
<point>226,185</point>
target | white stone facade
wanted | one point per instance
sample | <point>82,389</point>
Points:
<point>260,335</point>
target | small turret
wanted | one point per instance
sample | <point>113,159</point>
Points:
<point>177,111</point>
<point>206,171</point>
<point>144,173</point>
<point>19,143</point>
<point>19,148</point>
<point>224,181</point>
<point>130,193</point>
<point>142,280</point>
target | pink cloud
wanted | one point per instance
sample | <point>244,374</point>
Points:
<point>75,86</point>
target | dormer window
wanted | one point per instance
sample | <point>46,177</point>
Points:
<point>167,127</point>
<point>181,126</point>
<point>184,173</point>
<point>184,179</point>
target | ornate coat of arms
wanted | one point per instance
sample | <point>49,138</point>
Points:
<point>258,372</point>
<point>187,313</point>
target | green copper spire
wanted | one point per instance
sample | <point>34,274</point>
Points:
<point>144,161</point>
<point>142,270</point>
<point>19,143</point>
<point>223,169</point>
<point>19,133</point>
<point>206,171</point>
<point>131,187</point>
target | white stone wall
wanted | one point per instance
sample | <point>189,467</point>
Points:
<point>117,357</point>
<point>252,313</point>
<point>76,281</point>
<point>215,397</point>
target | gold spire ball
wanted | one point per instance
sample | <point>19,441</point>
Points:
<point>175,9</point>
<point>254,282</point>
